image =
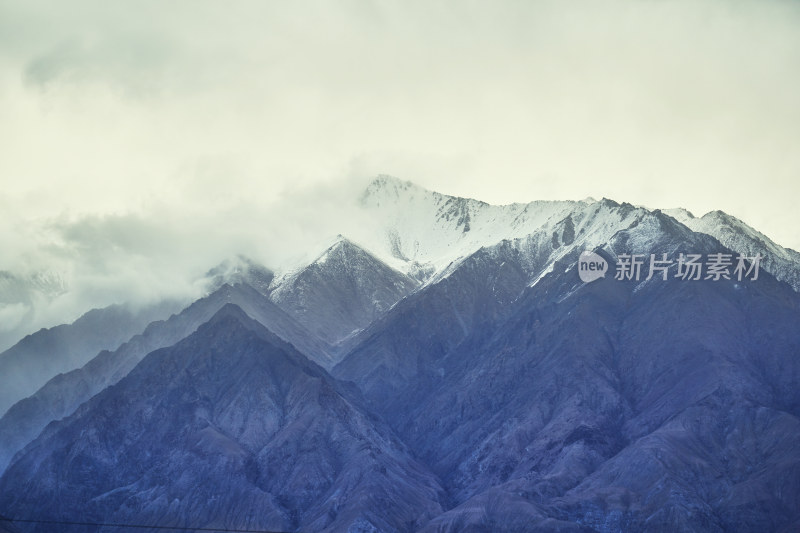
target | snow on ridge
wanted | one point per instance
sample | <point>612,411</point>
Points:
<point>427,234</point>
<point>783,263</point>
<point>321,254</point>
<point>418,226</point>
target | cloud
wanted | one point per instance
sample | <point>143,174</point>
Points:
<point>159,137</point>
<point>11,315</point>
<point>143,256</point>
<point>130,66</point>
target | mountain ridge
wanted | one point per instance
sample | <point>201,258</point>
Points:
<point>61,395</point>
<point>489,385</point>
<point>236,400</point>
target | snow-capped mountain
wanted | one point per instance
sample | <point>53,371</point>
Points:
<point>474,295</point>
<point>422,233</point>
<point>515,403</point>
<point>783,263</point>
<point>477,384</point>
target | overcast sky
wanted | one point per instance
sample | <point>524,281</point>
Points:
<point>136,126</point>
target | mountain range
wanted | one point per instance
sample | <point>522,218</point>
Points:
<point>445,369</point>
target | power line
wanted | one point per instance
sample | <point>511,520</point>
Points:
<point>133,526</point>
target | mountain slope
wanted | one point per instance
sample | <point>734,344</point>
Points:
<point>402,352</point>
<point>340,292</point>
<point>544,419</point>
<point>471,296</point>
<point>64,393</point>
<point>31,362</point>
<point>20,295</point>
<point>643,386</point>
<point>229,428</point>
<point>508,394</point>
<point>783,263</point>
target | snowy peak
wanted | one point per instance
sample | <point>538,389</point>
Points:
<point>341,291</point>
<point>680,214</point>
<point>385,187</point>
<point>448,208</point>
<point>392,194</point>
<point>426,234</point>
<point>420,231</point>
<point>239,269</point>
<point>783,263</point>
<point>342,251</point>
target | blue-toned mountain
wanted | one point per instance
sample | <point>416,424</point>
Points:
<point>230,428</point>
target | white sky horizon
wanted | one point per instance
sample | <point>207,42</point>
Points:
<point>131,139</point>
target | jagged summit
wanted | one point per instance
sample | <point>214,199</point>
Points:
<point>783,263</point>
<point>420,231</point>
<point>341,249</point>
<point>388,189</point>
<point>424,233</point>
<point>386,185</point>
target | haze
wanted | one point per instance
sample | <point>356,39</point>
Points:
<point>143,142</point>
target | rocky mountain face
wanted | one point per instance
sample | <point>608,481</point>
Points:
<point>229,428</point>
<point>467,300</point>
<point>61,395</point>
<point>422,232</point>
<point>662,408</point>
<point>341,292</point>
<point>783,263</point>
<point>404,349</point>
<point>28,364</point>
<point>476,384</point>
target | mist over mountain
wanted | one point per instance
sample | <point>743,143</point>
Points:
<point>62,394</point>
<point>224,307</point>
<point>442,368</point>
<point>19,294</point>
<point>141,259</point>
<point>36,358</point>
